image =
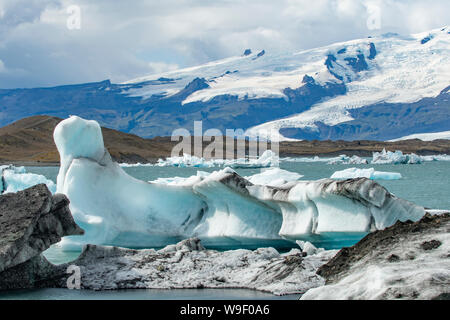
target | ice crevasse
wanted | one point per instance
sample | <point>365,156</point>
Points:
<point>222,207</point>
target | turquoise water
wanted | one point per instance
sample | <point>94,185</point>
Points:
<point>427,184</point>
<point>143,294</point>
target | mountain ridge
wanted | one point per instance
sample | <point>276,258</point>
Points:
<point>29,141</point>
<point>378,88</point>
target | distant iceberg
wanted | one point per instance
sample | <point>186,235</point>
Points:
<point>15,179</point>
<point>439,157</point>
<point>274,177</point>
<point>219,208</point>
<point>348,160</point>
<point>369,173</point>
<point>342,159</point>
<point>397,157</point>
<point>267,159</point>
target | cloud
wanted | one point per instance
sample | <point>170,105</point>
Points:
<point>121,40</point>
<point>159,67</point>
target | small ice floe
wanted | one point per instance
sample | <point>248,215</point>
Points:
<point>369,173</point>
<point>267,159</point>
<point>342,159</point>
<point>15,179</point>
<point>397,157</point>
<point>273,177</point>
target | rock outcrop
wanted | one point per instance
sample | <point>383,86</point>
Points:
<point>30,222</point>
<point>188,264</point>
<point>409,260</point>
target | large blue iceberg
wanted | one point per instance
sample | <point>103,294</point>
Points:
<point>219,208</point>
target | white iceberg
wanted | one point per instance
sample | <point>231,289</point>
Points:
<point>15,179</point>
<point>186,161</point>
<point>369,173</point>
<point>397,157</point>
<point>115,208</point>
<point>342,159</point>
<point>267,159</point>
<point>305,159</point>
<point>438,157</point>
<point>131,165</point>
<point>273,177</point>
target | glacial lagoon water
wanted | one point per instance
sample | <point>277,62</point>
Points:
<point>426,184</point>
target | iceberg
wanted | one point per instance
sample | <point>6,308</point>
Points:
<point>306,159</point>
<point>267,159</point>
<point>221,207</point>
<point>15,179</point>
<point>438,157</point>
<point>342,159</point>
<point>397,157</point>
<point>369,173</point>
<point>274,177</point>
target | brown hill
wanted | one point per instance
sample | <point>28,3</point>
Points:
<point>30,141</point>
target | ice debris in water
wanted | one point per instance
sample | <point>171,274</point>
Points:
<point>369,173</point>
<point>15,179</point>
<point>397,157</point>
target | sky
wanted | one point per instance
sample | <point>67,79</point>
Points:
<point>56,42</point>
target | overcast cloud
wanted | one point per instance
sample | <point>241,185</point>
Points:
<point>121,40</point>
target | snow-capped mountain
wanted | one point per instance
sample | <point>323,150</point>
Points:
<point>381,88</point>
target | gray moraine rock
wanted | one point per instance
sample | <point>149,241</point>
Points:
<point>188,264</point>
<point>30,222</point>
<point>409,260</point>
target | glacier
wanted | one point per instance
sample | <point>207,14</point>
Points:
<point>219,208</point>
<point>323,93</point>
<point>15,179</point>
<point>369,173</point>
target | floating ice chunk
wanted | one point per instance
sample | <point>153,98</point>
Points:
<point>439,157</point>
<point>131,165</point>
<point>397,157</point>
<point>274,177</point>
<point>186,161</point>
<point>342,159</point>
<point>308,247</point>
<point>357,160</point>
<point>16,179</point>
<point>306,159</point>
<point>180,181</point>
<point>369,173</point>
<point>267,159</point>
